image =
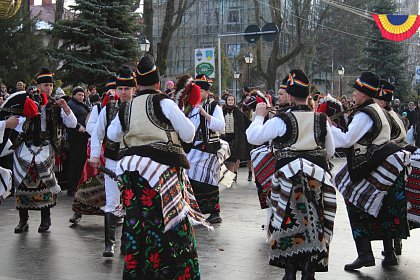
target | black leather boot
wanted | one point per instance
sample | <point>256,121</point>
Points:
<point>365,255</point>
<point>23,221</point>
<point>249,176</point>
<point>45,220</point>
<point>289,271</point>
<point>398,246</point>
<point>389,253</point>
<point>75,219</point>
<point>308,271</point>
<point>236,177</point>
<point>214,218</point>
<point>110,224</point>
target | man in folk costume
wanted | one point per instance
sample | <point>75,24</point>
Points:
<point>6,174</point>
<point>410,191</point>
<point>125,87</point>
<point>90,196</point>
<point>204,173</point>
<point>367,181</point>
<point>302,195</point>
<point>158,199</point>
<point>33,170</point>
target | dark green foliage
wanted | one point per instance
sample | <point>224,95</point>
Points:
<point>21,51</point>
<point>102,36</point>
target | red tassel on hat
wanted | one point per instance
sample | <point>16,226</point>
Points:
<point>44,99</point>
<point>30,109</point>
<point>260,100</point>
<point>195,95</point>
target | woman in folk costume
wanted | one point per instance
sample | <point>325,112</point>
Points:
<point>236,125</point>
<point>204,174</point>
<point>125,88</point>
<point>374,173</point>
<point>332,106</point>
<point>302,195</point>
<point>6,174</point>
<point>33,170</point>
<point>158,199</point>
<point>90,195</point>
<point>410,192</point>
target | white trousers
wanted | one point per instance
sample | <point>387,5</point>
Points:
<point>112,191</point>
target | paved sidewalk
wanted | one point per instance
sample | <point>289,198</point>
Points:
<point>236,250</point>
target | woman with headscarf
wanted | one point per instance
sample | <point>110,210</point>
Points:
<point>236,124</point>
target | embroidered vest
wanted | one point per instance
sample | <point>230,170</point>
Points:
<point>378,135</point>
<point>400,137</point>
<point>304,138</point>
<point>149,133</point>
<point>374,147</point>
<point>210,138</point>
<point>111,148</point>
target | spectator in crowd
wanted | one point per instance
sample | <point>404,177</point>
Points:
<point>169,87</point>
<point>20,85</point>
<point>405,120</point>
<point>396,106</point>
<point>411,113</point>
<point>94,96</point>
<point>77,139</point>
<point>3,92</point>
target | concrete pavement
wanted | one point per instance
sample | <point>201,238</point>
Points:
<point>235,250</point>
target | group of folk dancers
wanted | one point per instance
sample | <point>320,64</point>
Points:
<point>163,158</point>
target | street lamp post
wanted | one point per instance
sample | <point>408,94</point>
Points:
<point>144,44</point>
<point>249,58</point>
<point>236,75</point>
<point>340,71</point>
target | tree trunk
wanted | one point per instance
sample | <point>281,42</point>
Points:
<point>148,13</point>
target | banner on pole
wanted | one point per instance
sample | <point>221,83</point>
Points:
<point>205,62</point>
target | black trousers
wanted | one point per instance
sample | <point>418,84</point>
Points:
<point>77,157</point>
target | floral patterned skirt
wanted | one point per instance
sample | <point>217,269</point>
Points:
<point>392,218</point>
<point>301,237</point>
<point>207,197</point>
<point>152,253</point>
<point>33,194</point>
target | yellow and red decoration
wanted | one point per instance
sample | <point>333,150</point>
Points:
<point>397,27</point>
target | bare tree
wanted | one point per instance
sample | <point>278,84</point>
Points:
<point>174,13</point>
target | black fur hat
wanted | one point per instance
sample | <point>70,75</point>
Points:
<point>125,77</point>
<point>368,83</point>
<point>147,73</point>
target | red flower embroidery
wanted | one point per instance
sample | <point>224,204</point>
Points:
<point>186,274</point>
<point>155,260</point>
<point>128,195</point>
<point>130,262</point>
<point>148,196</point>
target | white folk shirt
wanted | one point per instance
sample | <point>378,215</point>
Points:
<point>93,118</point>
<point>180,123</point>
<point>217,122</point>
<point>358,127</point>
<point>259,132</point>
<point>69,120</point>
<point>98,132</point>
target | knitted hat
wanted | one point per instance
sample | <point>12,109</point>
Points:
<point>111,84</point>
<point>147,73</point>
<point>78,89</point>
<point>284,83</point>
<point>203,81</point>
<point>125,77</point>
<point>45,76</point>
<point>386,92</point>
<point>368,83</point>
<point>298,84</point>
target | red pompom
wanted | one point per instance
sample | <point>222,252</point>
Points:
<point>195,95</point>
<point>260,100</point>
<point>30,109</point>
<point>44,99</point>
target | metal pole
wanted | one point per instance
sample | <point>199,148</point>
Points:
<point>219,64</point>
<point>339,86</point>
<point>332,75</point>
<point>236,91</point>
<point>249,74</point>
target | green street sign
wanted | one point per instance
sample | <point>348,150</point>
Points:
<point>204,68</point>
